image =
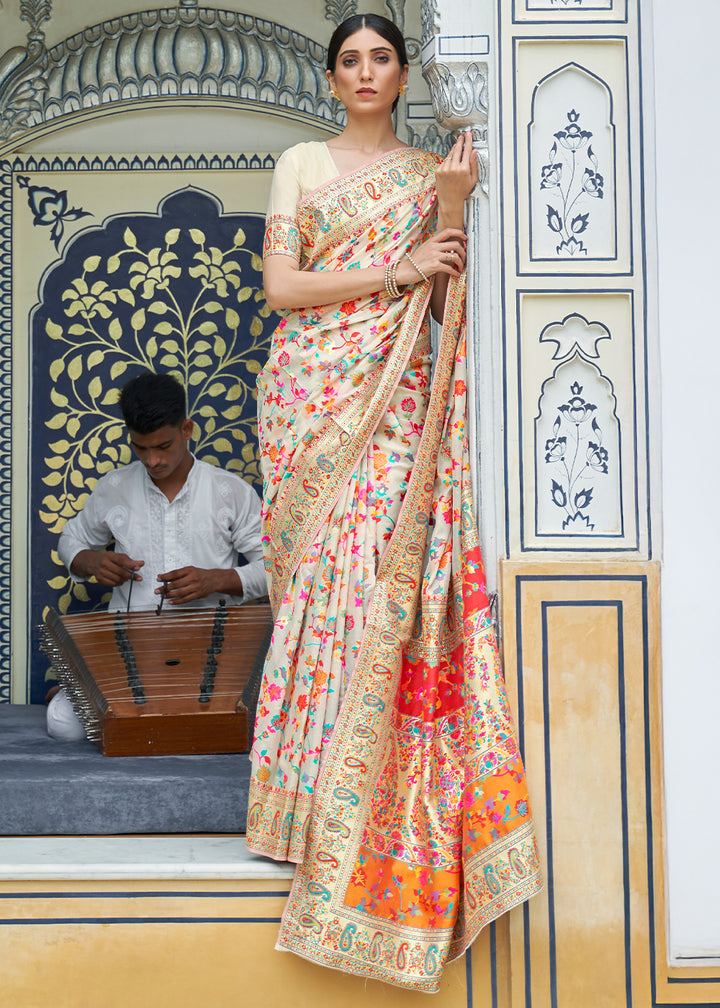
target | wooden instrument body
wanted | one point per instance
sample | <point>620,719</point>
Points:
<point>159,685</point>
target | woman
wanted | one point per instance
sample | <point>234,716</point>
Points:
<point>384,760</point>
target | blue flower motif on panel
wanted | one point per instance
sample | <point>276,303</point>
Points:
<point>575,451</point>
<point>50,208</point>
<point>568,178</point>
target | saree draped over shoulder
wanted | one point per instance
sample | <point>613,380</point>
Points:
<point>385,761</point>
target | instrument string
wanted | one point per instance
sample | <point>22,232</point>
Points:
<point>189,654</point>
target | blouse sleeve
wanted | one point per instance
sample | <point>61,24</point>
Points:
<point>282,234</point>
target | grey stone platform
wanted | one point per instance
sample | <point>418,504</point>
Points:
<point>70,788</point>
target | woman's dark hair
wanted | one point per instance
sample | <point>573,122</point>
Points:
<point>377,23</point>
<point>151,401</point>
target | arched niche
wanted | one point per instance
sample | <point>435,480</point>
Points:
<point>578,457</point>
<point>572,168</point>
<point>179,291</point>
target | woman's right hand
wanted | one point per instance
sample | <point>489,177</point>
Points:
<point>445,252</point>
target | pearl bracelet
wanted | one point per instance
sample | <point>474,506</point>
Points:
<point>416,267</point>
<point>391,285</point>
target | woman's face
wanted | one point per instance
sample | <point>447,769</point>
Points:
<point>367,75</point>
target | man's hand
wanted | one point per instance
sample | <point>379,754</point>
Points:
<point>106,566</point>
<point>191,583</point>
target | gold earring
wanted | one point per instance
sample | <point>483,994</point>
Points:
<point>336,96</point>
<point>403,89</point>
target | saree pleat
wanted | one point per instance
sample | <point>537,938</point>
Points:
<point>385,761</point>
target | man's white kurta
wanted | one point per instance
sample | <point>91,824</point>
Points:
<point>215,516</point>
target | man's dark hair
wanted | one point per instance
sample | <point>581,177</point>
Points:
<point>150,401</point>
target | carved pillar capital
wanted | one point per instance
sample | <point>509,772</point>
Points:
<point>459,90</point>
<point>457,49</point>
<point>456,60</point>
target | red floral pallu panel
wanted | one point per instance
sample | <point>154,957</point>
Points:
<point>409,813</point>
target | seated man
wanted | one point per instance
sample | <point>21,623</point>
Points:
<point>177,523</point>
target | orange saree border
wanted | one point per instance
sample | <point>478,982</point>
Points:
<point>398,878</point>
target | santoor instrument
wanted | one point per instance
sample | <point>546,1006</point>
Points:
<point>145,684</point>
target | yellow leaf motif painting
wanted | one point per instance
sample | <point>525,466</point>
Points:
<point>144,292</point>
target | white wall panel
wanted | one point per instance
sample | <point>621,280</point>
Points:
<point>687,82</point>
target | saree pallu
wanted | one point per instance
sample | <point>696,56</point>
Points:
<point>385,761</point>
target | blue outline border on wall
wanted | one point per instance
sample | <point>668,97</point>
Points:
<point>616,14</point>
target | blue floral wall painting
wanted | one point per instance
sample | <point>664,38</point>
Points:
<point>578,454</point>
<point>50,208</point>
<point>576,449</point>
<point>573,174</point>
<point>177,291</point>
<point>572,178</point>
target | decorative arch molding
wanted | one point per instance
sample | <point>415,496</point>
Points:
<point>174,54</point>
<point>578,444</point>
<point>573,185</point>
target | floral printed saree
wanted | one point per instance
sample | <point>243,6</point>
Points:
<point>385,761</point>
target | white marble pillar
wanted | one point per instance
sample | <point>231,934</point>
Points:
<point>458,65</point>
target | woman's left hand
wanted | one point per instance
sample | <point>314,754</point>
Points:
<point>455,179</point>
